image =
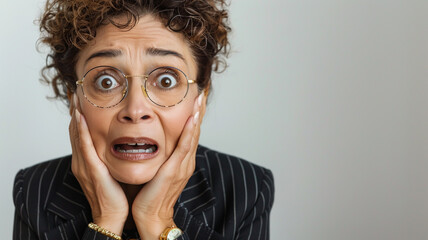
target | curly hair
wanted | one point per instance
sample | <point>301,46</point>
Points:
<point>68,26</point>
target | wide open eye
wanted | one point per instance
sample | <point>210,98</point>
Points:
<point>167,80</point>
<point>104,86</point>
<point>166,86</point>
<point>106,82</point>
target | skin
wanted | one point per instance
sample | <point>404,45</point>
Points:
<point>138,193</point>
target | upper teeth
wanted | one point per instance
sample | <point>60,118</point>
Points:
<point>134,144</point>
<point>149,150</point>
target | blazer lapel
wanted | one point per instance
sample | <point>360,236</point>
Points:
<point>68,202</point>
<point>69,199</point>
<point>196,197</point>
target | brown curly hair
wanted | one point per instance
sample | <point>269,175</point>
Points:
<point>68,25</point>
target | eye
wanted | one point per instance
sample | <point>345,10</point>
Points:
<point>106,82</point>
<point>166,80</point>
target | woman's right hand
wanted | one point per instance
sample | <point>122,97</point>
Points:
<point>108,202</point>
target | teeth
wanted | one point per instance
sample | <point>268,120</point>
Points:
<point>135,144</point>
<point>141,144</point>
<point>150,150</point>
<point>132,151</point>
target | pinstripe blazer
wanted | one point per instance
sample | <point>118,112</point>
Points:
<point>225,198</point>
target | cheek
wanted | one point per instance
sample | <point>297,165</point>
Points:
<point>173,123</point>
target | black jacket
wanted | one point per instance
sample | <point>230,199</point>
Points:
<point>226,198</point>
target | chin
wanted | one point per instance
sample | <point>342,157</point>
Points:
<point>133,177</point>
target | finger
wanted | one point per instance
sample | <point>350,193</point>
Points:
<point>196,120</point>
<point>72,132</point>
<point>201,106</point>
<point>73,127</point>
<point>74,140</point>
<point>183,147</point>
<point>87,146</point>
<point>201,113</point>
<point>188,165</point>
<point>75,104</point>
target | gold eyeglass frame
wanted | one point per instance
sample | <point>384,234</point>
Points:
<point>143,86</point>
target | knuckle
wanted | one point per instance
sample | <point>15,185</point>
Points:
<point>184,148</point>
<point>83,144</point>
<point>182,178</point>
<point>169,175</point>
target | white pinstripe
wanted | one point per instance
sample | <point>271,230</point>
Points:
<point>50,185</point>
<point>233,194</point>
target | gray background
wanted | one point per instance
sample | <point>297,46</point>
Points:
<point>331,95</point>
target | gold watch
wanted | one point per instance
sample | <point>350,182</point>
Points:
<point>171,233</point>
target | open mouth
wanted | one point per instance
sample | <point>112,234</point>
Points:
<point>135,148</point>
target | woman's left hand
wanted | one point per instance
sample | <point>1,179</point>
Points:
<point>153,207</point>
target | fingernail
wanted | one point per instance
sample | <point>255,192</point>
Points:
<point>77,115</point>
<point>195,118</point>
<point>75,100</point>
<point>200,99</point>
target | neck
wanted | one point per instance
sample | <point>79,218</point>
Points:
<point>131,192</point>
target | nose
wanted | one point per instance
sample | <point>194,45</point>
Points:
<point>136,107</point>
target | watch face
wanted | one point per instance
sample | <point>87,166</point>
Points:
<point>174,234</point>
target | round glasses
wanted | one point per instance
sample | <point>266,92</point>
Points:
<point>106,86</point>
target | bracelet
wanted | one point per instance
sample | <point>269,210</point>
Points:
<point>103,231</point>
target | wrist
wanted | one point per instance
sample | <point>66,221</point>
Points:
<point>113,224</point>
<point>152,229</point>
<point>104,231</point>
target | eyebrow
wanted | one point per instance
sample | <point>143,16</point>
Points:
<point>164,52</point>
<point>150,51</point>
<point>105,53</point>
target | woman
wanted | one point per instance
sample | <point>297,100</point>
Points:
<point>136,75</point>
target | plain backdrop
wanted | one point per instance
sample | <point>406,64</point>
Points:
<point>330,95</point>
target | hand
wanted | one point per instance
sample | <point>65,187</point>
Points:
<point>153,207</point>
<point>107,200</point>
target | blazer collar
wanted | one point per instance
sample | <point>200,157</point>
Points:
<point>69,201</point>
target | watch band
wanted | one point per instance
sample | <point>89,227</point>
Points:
<point>171,233</point>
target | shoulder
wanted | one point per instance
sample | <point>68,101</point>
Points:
<point>218,163</point>
<point>49,201</point>
<point>236,179</point>
<point>36,182</point>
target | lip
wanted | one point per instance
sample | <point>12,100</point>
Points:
<point>134,156</point>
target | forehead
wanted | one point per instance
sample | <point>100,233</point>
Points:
<point>135,44</point>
